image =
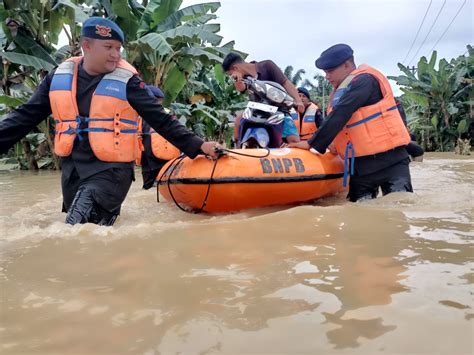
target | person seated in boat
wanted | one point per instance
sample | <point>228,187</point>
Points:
<point>415,151</point>
<point>307,122</point>
<point>234,66</point>
<point>156,150</point>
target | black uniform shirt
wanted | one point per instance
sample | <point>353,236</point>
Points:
<point>364,90</point>
<point>22,120</point>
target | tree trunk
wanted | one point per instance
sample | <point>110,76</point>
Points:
<point>32,164</point>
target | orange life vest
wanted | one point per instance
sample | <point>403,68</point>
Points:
<point>371,129</point>
<point>307,126</point>
<point>112,122</point>
<point>160,147</point>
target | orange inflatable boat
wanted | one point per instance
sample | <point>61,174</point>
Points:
<point>257,178</point>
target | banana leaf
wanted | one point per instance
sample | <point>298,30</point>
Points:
<point>27,60</point>
<point>79,14</point>
<point>12,102</point>
<point>192,34</point>
<point>176,80</point>
<point>189,13</point>
<point>30,46</point>
<point>155,12</point>
<point>157,43</point>
<point>127,20</point>
<point>204,55</point>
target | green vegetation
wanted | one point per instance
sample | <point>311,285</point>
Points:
<point>319,88</point>
<point>172,47</point>
<point>439,101</point>
<point>179,50</point>
<point>211,104</point>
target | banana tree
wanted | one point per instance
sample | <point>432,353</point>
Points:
<point>165,42</point>
<point>438,100</point>
<point>32,29</point>
<point>211,103</point>
<point>28,32</point>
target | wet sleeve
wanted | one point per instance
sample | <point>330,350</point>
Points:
<point>358,95</point>
<point>318,118</point>
<point>275,72</point>
<point>23,119</point>
<point>163,123</point>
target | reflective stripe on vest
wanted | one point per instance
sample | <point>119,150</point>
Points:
<point>112,125</point>
<point>307,126</point>
<point>340,91</point>
<point>371,117</point>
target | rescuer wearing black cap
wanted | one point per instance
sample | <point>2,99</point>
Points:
<point>363,126</point>
<point>307,122</point>
<point>96,100</point>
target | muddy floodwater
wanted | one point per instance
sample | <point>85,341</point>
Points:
<point>388,276</point>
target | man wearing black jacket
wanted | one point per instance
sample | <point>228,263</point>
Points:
<point>151,164</point>
<point>387,169</point>
<point>93,189</point>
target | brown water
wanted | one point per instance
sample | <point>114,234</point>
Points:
<point>390,276</point>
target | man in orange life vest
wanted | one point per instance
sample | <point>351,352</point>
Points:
<point>363,125</point>
<point>311,117</point>
<point>96,100</point>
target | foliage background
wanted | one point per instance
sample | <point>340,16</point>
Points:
<point>179,49</point>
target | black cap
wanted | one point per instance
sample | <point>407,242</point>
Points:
<point>304,91</point>
<point>334,56</point>
<point>101,28</point>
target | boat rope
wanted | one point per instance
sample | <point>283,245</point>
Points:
<point>174,164</point>
<point>244,154</point>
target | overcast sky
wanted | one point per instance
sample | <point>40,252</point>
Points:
<point>295,32</point>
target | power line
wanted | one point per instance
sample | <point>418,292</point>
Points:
<point>418,32</point>
<point>447,28</point>
<point>429,31</point>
